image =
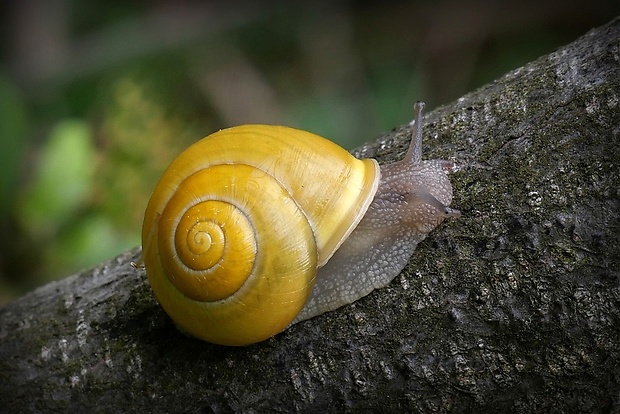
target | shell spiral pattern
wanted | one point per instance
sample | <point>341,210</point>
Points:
<point>229,251</point>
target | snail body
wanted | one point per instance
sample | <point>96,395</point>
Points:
<point>256,227</point>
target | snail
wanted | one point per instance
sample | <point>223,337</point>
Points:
<point>257,227</point>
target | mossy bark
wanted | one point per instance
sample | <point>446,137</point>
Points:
<point>515,307</point>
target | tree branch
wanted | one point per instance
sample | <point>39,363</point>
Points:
<point>514,307</point>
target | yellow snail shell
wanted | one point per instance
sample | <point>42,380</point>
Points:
<point>240,222</point>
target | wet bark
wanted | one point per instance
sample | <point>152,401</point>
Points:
<point>515,307</point>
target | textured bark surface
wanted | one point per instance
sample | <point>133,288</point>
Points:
<point>515,307</point>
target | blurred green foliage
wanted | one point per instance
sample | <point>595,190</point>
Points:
<point>96,98</point>
<point>62,181</point>
<point>13,130</point>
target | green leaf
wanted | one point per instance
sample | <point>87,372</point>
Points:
<point>63,180</point>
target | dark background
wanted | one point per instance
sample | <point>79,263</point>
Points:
<point>97,97</point>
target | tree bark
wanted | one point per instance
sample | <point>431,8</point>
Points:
<point>515,307</point>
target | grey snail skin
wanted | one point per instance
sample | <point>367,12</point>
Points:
<point>258,227</point>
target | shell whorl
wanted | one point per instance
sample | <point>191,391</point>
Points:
<point>232,243</point>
